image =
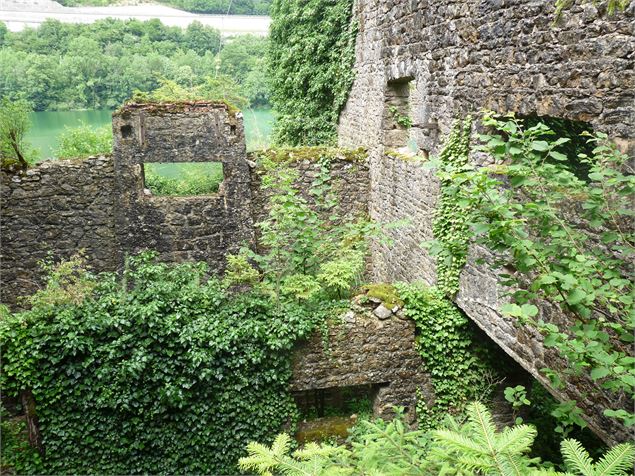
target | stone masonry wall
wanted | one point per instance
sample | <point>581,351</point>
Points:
<point>363,349</point>
<point>59,207</point>
<point>202,228</point>
<point>465,55</point>
<point>453,57</point>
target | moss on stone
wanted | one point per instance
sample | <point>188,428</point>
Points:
<point>404,157</point>
<point>385,292</point>
<point>298,154</point>
<point>324,428</point>
<point>167,107</point>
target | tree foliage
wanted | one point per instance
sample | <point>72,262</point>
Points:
<point>311,68</point>
<point>15,152</point>
<point>99,65</point>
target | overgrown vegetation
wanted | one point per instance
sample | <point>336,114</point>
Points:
<point>456,362</point>
<point>84,141</point>
<point>568,241</point>
<point>195,179</point>
<point>15,153</point>
<point>311,60</point>
<point>472,448</point>
<point>307,248</point>
<point>75,66</point>
<point>163,371</point>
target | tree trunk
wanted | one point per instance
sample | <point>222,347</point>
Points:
<point>28,403</point>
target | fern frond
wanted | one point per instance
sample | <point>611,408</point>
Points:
<point>483,426</point>
<point>460,443</point>
<point>516,440</point>
<point>576,457</point>
<point>281,444</point>
<point>617,461</point>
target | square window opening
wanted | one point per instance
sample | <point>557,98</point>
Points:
<point>183,179</point>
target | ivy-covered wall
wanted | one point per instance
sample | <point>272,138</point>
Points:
<point>101,206</point>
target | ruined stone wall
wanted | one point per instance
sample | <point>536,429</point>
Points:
<point>462,56</point>
<point>59,207</point>
<point>101,204</point>
<point>202,228</point>
<point>434,61</point>
<point>363,349</point>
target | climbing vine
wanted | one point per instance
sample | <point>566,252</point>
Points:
<point>457,366</point>
<point>311,57</point>
<point>160,371</point>
<point>451,227</point>
<point>566,239</point>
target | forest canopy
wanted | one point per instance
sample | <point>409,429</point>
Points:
<point>63,66</point>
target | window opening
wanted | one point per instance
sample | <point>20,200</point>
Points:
<point>183,179</point>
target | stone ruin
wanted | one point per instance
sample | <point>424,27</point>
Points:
<point>429,61</point>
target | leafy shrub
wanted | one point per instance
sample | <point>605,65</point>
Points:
<point>83,141</point>
<point>474,448</point>
<point>158,371</point>
<point>307,249</point>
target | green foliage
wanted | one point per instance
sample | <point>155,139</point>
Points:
<point>157,371</point>
<point>240,271</point>
<point>84,141</point>
<point>100,65</point>
<point>15,152</point>
<point>311,58</point>
<point>225,7</point>
<point>221,88</point>
<point>16,455</point>
<point>307,248</point>
<point>612,6</point>
<point>391,449</point>
<point>195,179</point>
<point>445,341</point>
<point>403,121</point>
<point>451,228</point>
<point>567,240</point>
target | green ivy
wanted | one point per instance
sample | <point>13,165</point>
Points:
<point>566,239</point>
<point>456,365</point>
<point>311,57</point>
<point>451,227</point>
<point>160,371</point>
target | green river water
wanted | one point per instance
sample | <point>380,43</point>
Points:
<point>47,126</point>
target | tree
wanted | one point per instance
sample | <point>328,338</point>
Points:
<point>201,38</point>
<point>15,152</point>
